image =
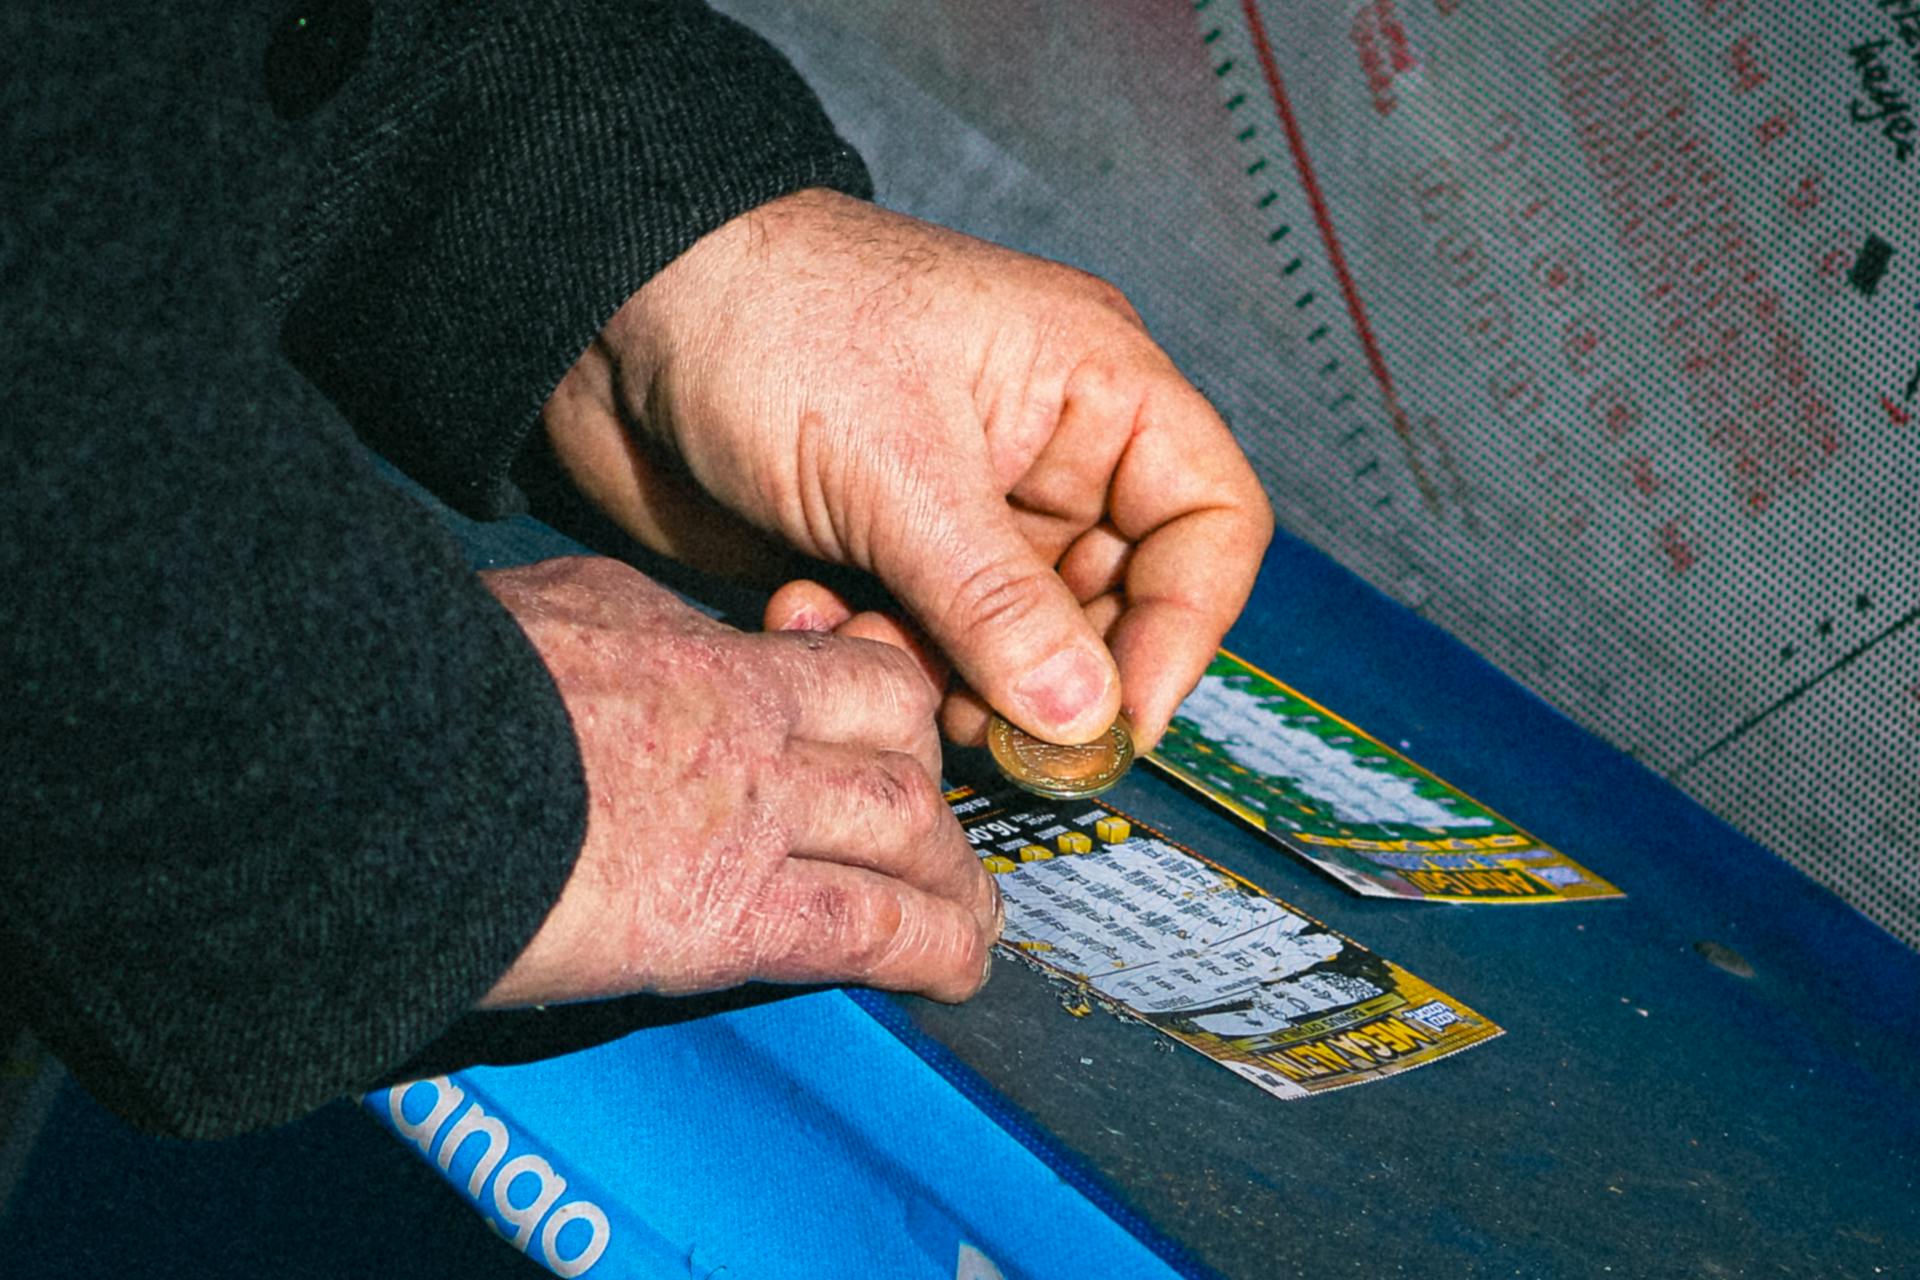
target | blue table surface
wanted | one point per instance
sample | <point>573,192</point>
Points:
<point>1648,1113</point>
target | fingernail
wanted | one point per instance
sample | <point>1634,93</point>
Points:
<point>1059,690</point>
<point>999,925</point>
<point>986,970</point>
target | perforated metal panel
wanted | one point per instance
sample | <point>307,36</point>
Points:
<point>1587,329</point>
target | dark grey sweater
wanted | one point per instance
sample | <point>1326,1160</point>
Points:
<point>284,789</point>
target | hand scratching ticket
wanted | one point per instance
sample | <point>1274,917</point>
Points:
<point>1354,807</point>
<point>1160,934</point>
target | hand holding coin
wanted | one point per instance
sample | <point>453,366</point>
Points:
<point>997,439</point>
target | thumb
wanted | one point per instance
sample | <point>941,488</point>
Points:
<point>1008,623</point>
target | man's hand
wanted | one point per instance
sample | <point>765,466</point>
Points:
<point>760,806</point>
<point>993,435</point>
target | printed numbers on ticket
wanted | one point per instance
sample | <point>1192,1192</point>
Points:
<point>1161,934</point>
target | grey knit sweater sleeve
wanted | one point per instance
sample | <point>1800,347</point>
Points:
<point>498,183</point>
<point>284,789</point>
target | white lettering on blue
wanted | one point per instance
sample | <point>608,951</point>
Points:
<point>527,1190</point>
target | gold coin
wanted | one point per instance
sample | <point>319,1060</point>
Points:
<point>1061,772</point>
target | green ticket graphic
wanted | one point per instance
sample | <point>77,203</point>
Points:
<point>1324,789</point>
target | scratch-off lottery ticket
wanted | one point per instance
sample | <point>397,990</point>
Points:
<point>1351,805</point>
<point>1161,934</point>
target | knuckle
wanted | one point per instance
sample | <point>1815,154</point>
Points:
<point>1104,293</point>
<point>1259,517</point>
<point>997,596</point>
<point>588,580</point>
<point>907,686</point>
<point>1114,387</point>
<point>926,748</point>
<point>884,792</point>
<point>599,569</point>
<point>827,912</point>
<point>820,932</point>
<point>872,934</point>
<point>913,798</point>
